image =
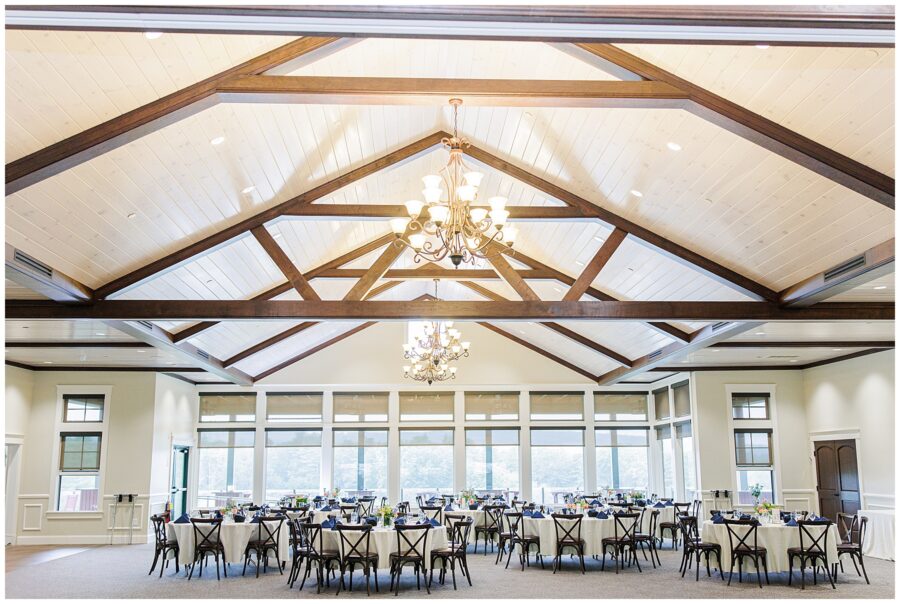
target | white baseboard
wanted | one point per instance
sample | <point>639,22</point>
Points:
<point>77,539</point>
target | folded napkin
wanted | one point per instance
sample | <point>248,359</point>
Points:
<point>401,520</point>
<point>640,502</point>
<point>326,508</point>
<point>449,508</point>
<point>183,519</point>
<point>718,519</point>
<point>791,522</point>
<point>659,504</point>
<point>602,515</point>
<point>371,520</point>
<point>434,522</point>
<point>239,518</point>
<point>218,513</point>
<point>528,513</point>
<point>328,523</point>
<point>318,498</point>
<point>255,520</point>
<point>669,504</point>
<point>596,502</point>
<point>473,506</point>
<point>592,513</point>
<point>537,515</point>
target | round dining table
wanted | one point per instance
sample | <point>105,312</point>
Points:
<point>234,537</point>
<point>776,538</point>
<point>383,541</point>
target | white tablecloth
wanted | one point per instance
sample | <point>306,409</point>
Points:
<point>384,542</point>
<point>593,531</point>
<point>234,536</point>
<point>776,538</point>
<point>879,541</point>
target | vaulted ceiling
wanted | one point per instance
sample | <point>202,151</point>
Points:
<point>712,214</point>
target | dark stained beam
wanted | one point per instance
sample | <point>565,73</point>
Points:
<point>314,350</point>
<point>564,331</point>
<point>105,368</point>
<point>808,344</point>
<point>509,274</point>
<point>376,271</point>
<point>539,350</point>
<point>284,264</point>
<point>280,310</point>
<point>223,236</point>
<point>666,246</point>
<point>364,211</point>
<point>43,279</point>
<point>764,132</point>
<point>148,118</point>
<point>871,264</point>
<point>593,268</point>
<point>75,344</point>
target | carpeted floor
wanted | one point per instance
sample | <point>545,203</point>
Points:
<point>121,572</point>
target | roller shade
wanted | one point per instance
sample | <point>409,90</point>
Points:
<point>426,437</point>
<point>620,406</point>
<point>294,406</point>
<point>661,403</point>
<point>496,406</point>
<point>360,438</point>
<point>571,437</point>
<point>228,407</point>
<point>360,406</point>
<point>681,394</point>
<point>477,436</point>
<point>426,406</point>
<point>557,405</point>
<point>212,439</point>
<point>622,437</point>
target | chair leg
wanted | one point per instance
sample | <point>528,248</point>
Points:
<point>828,574</point>
<point>218,578</point>
<point>863,565</point>
<point>453,571</point>
<point>790,569</point>
<point>153,566</point>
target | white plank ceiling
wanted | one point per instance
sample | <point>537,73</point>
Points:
<point>720,195</point>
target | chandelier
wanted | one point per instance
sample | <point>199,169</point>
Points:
<point>449,223</point>
<point>432,351</point>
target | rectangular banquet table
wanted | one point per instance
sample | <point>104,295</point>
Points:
<point>879,540</point>
<point>234,537</point>
<point>776,538</point>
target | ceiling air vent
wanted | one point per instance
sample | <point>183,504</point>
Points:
<point>146,325</point>
<point>203,353</point>
<point>845,267</point>
<point>35,265</point>
<point>719,325</point>
<point>654,354</point>
<point>783,356</point>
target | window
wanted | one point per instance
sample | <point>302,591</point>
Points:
<point>620,406</point>
<point>360,406</point>
<point>361,461</point>
<point>557,463</point>
<point>623,458</point>
<point>661,404</point>
<point>557,405</point>
<point>681,395</point>
<point>294,407</point>
<point>293,462</point>
<point>426,406</point>
<point>749,406</point>
<point>753,458</point>
<point>667,452</point>
<point>492,459</point>
<point>228,407</point>
<point>426,462</point>
<point>685,437</point>
<point>83,408</point>
<point>225,467</point>
<point>492,406</point>
<point>79,471</point>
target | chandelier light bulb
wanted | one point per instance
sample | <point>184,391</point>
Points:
<point>414,208</point>
<point>466,193</point>
<point>497,203</point>
<point>432,181</point>
<point>407,347</point>
<point>398,225</point>
<point>465,345</point>
<point>448,324</point>
<point>478,215</point>
<point>510,234</point>
<point>498,217</point>
<point>473,178</point>
<point>417,240</point>
<point>406,368</point>
<point>453,370</point>
<point>455,349</point>
<point>438,214</point>
<point>432,195</point>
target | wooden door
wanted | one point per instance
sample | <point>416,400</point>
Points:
<point>837,477</point>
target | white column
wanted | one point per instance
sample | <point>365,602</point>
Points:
<point>326,478</point>
<point>590,445</point>
<point>525,447</point>
<point>459,441</point>
<point>259,450</point>
<point>394,446</point>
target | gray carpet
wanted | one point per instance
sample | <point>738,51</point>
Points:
<point>121,572</point>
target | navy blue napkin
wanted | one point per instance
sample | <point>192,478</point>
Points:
<point>401,520</point>
<point>255,520</point>
<point>218,513</point>
<point>239,518</point>
<point>537,515</point>
<point>326,508</point>
<point>669,504</point>
<point>592,513</point>
<point>659,504</point>
<point>718,519</point>
<point>602,515</point>
<point>528,513</point>
<point>371,520</point>
<point>328,523</point>
<point>449,507</point>
<point>183,519</point>
<point>640,502</point>
<point>791,522</point>
<point>473,506</point>
<point>596,502</point>
<point>434,522</point>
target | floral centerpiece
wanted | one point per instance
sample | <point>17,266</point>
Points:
<point>635,495</point>
<point>755,492</point>
<point>301,500</point>
<point>765,508</point>
<point>467,496</point>
<point>387,513</point>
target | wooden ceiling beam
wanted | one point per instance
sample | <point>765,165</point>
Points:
<point>764,132</point>
<point>349,310</point>
<point>375,272</point>
<point>509,274</point>
<point>221,237</point>
<point>564,331</point>
<point>474,92</point>
<point>313,350</point>
<point>364,211</point>
<point>74,344</point>
<point>862,268</point>
<point>665,246</point>
<point>284,264</point>
<point>148,118</point>
<point>593,268</point>
<point>808,344</point>
<point>539,350</point>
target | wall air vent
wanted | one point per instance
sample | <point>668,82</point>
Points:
<point>35,265</point>
<point>845,267</point>
<point>146,325</point>
<point>719,325</point>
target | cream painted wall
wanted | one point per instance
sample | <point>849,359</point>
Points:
<point>17,402</point>
<point>127,463</point>
<point>174,418</point>
<point>361,359</point>
<point>858,396</point>
<point>794,474</point>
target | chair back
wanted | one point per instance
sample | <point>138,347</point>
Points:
<point>567,527</point>
<point>848,527</point>
<point>515,524</point>
<point>434,512</point>
<point>448,500</point>
<point>640,511</point>
<point>451,517</point>
<point>814,535</point>
<point>742,534</point>
<point>712,513</point>
<point>493,515</point>
<point>347,510</point>
<point>695,508</point>
<point>626,525</point>
<point>654,522</point>
<point>682,509</point>
<point>403,508</point>
<point>460,530</point>
<point>268,531</point>
<point>355,540</point>
<point>412,540</point>
<point>311,535</point>
<point>206,532</point>
<point>159,529</point>
<point>364,506</point>
<point>688,526</point>
<point>420,501</point>
<point>384,502</point>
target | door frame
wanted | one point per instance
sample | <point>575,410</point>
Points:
<point>187,474</point>
<point>846,434</point>
<point>14,472</point>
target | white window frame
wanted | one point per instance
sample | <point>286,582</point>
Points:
<point>755,424</point>
<point>60,426</point>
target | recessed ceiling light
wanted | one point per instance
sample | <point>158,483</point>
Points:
<point>170,363</point>
<point>558,290</point>
<point>141,350</point>
<point>217,141</point>
<point>759,333</point>
<point>715,350</point>
<point>99,333</point>
<point>276,236</point>
<point>837,349</point>
<point>598,238</point>
<point>637,193</point>
<point>152,35</point>
<point>673,146</point>
<point>131,215</point>
<point>48,362</point>
<point>248,189</point>
<point>880,287</point>
<point>209,281</point>
<point>762,46</point>
<point>579,263</point>
<point>792,361</point>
